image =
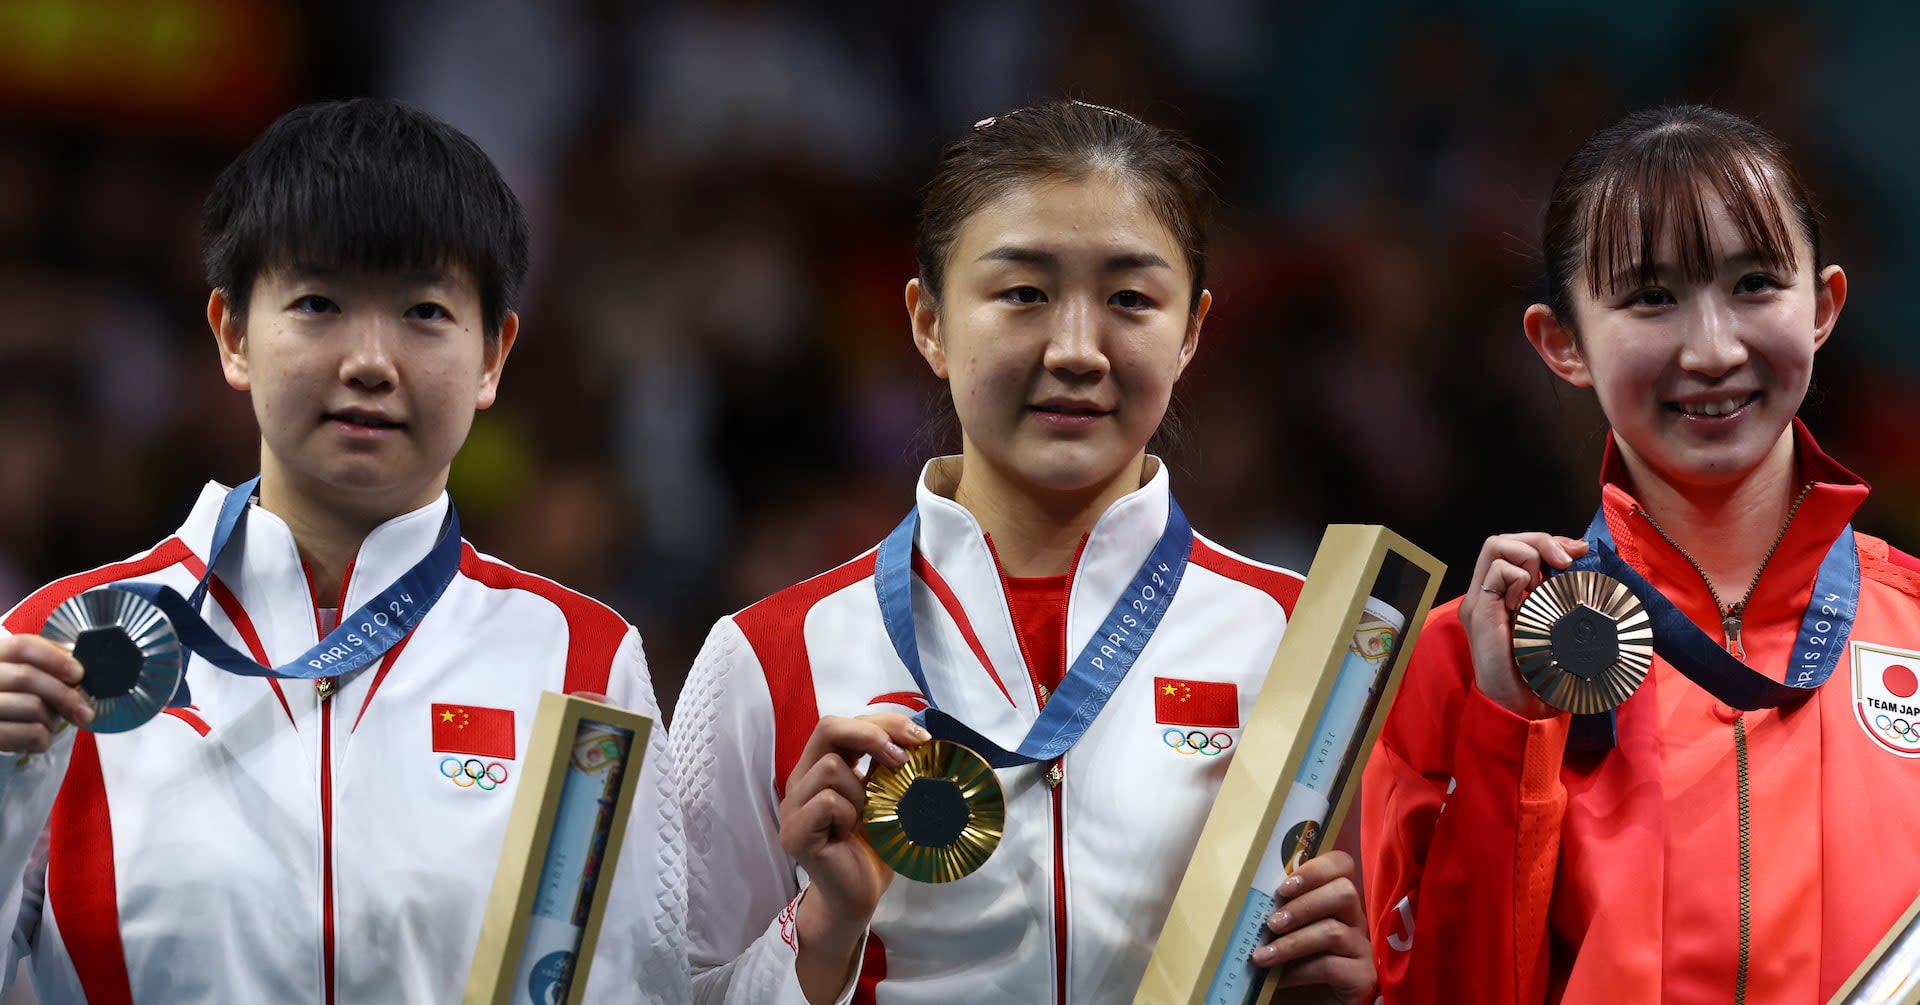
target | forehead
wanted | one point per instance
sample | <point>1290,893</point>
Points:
<point>1098,213</point>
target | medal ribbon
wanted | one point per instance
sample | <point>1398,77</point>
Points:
<point>361,638</point>
<point>1824,629</point>
<point>1095,673</point>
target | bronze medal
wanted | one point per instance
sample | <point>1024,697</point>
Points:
<point>937,817</point>
<point>1582,641</point>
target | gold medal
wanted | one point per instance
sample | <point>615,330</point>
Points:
<point>1582,641</point>
<point>937,817</point>
<point>132,659</point>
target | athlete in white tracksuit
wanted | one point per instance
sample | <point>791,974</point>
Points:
<point>1073,897</point>
<point>1060,295</point>
<point>333,840</point>
<point>267,844</point>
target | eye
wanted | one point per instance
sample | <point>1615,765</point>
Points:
<point>313,303</point>
<point>1025,295</point>
<point>428,312</point>
<point>1653,297</point>
<point>1759,282</point>
<point>1131,300</point>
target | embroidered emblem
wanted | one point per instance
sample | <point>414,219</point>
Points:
<point>1207,704</point>
<point>913,700</point>
<point>1886,696</point>
<point>471,729</point>
<point>473,773</point>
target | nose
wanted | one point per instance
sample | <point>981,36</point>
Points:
<point>1074,347</point>
<point>1714,341</point>
<point>368,360</point>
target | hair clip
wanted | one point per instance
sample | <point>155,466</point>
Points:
<point>1103,108</point>
<point>984,123</point>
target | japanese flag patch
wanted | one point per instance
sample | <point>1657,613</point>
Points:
<point>1886,696</point>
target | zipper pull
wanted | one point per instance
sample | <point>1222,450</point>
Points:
<point>1730,623</point>
<point>323,687</point>
<point>1055,774</point>
<point>1041,689</point>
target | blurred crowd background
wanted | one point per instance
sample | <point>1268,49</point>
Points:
<point>714,393</point>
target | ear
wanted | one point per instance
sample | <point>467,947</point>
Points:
<point>1832,296</point>
<point>1556,345</point>
<point>924,316</point>
<point>495,360</point>
<point>230,334</point>
<point>1191,342</point>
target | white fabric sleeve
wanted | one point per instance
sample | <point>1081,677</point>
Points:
<point>642,948</point>
<point>28,785</point>
<point>741,886</point>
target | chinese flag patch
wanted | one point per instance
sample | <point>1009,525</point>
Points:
<point>1211,704</point>
<point>471,729</point>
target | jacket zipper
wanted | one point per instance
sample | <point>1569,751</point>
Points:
<point>326,845</point>
<point>1730,624</point>
<point>1730,616</point>
<point>1055,775</point>
<point>323,689</point>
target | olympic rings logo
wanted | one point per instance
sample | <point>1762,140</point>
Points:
<point>1898,729</point>
<point>1197,741</point>
<point>473,773</point>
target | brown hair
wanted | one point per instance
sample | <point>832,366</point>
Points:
<point>1650,174</point>
<point>1065,139</point>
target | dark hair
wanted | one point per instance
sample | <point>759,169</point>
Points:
<point>1649,174</point>
<point>364,184</point>
<point>1065,139</point>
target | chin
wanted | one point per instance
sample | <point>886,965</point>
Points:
<point>1073,476</point>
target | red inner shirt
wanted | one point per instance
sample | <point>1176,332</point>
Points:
<point>1039,608</point>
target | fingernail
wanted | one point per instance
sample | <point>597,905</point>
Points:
<point>1263,954</point>
<point>86,714</point>
<point>75,671</point>
<point>918,732</point>
<point>896,753</point>
<point>1279,920</point>
<point>1291,886</point>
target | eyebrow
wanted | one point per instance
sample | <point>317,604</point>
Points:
<point>330,274</point>
<point>1663,271</point>
<point>1125,262</point>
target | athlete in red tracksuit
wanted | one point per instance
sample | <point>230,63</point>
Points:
<point>1704,855</point>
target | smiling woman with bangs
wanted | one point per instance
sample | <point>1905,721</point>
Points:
<point>1726,833</point>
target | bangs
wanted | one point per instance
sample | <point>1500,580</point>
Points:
<point>1659,187</point>
<point>366,224</point>
<point>359,218</point>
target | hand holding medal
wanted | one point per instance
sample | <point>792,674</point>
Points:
<point>39,693</point>
<point>823,828</point>
<point>132,658</point>
<point>1579,641</point>
<point>1509,568</point>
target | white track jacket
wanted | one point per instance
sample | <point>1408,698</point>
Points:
<point>266,845</point>
<point>1069,906</point>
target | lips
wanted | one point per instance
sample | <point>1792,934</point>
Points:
<point>364,418</point>
<point>1714,408</point>
<point>1069,407</point>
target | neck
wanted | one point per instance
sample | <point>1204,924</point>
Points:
<point>1729,529</point>
<point>328,536</point>
<point>1037,533</point>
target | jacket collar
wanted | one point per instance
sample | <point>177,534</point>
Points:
<point>1833,494</point>
<point>263,569</point>
<point>951,540</point>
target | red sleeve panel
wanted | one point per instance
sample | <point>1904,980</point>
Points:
<point>1461,823</point>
